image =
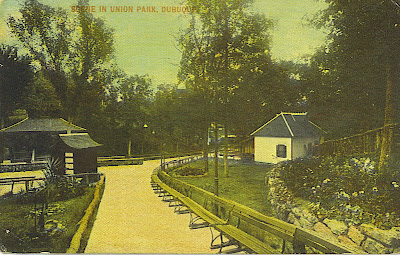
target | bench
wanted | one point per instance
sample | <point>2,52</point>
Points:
<point>299,237</point>
<point>232,232</point>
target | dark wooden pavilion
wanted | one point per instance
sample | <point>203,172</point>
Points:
<point>51,139</point>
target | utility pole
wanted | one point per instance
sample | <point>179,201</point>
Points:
<point>205,149</point>
<point>226,151</point>
<point>162,156</point>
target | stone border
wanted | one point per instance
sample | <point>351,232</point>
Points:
<point>364,237</point>
<point>80,237</point>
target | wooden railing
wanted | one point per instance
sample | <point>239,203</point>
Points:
<point>84,178</point>
<point>125,160</point>
<point>13,180</point>
<point>118,161</point>
<point>250,228</point>
<point>22,166</point>
<point>367,143</point>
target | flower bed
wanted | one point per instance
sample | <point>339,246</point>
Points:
<point>346,200</point>
<point>349,189</point>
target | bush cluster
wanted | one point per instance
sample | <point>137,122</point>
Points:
<point>189,171</point>
<point>64,188</point>
<point>349,189</point>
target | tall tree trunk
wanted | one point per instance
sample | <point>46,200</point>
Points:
<point>387,132</point>
<point>130,147</point>
<point>226,151</point>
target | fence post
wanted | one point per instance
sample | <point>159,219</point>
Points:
<point>298,247</point>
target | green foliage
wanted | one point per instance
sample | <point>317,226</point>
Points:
<point>18,232</point>
<point>226,62</point>
<point>134,94</point>
<point>188,171</point>
<point>61,188</point>
<point>250,176</point>
<point>15,73</point>
<point>71,54</point>
<point>126,111</point>
<point>95,43</point>
<point>76,77</point>
<point>351,71</point>
<point>40,97</point>
<point>45,32</point>
<point>57,188</point>
<point>349,189</point>
<point>176,119</point>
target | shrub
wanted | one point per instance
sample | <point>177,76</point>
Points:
<point>189,171</point>
<point>61,188</point>
<point>349,189</point>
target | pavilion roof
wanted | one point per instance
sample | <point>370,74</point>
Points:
<point>79,141</point>
<point>42,125</point>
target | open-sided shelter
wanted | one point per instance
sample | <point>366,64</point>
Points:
<point>53,139</point>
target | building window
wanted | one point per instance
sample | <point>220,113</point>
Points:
<point>281,151</point>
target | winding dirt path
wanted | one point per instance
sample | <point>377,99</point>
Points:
<point>132,219</point>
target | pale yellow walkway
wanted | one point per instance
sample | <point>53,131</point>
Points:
<point>132,219</point>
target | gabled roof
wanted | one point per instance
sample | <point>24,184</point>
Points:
<point>289,125</point>
<point>42,125</point>
<point>78,141</point>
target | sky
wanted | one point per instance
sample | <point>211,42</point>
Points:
<point>145,41</point>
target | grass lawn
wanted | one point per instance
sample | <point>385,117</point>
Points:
<point>245,184</point>
<point>17,224</point>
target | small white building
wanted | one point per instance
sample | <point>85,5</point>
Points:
<point>287,136</point>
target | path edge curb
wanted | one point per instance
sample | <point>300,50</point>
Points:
<point>80,237</point>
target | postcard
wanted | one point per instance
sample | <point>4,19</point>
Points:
<point>199,126</point>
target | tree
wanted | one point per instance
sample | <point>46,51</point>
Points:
<point>47,34</point>
<point>95,44</point>
<point>40,97</point>
<point>15,73</point>
<point>357,64</point>
<point>93,50</point>
<point>225,59</point>
<point>134,95</point>
<point>71,53</point>
<point>358,69</point>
